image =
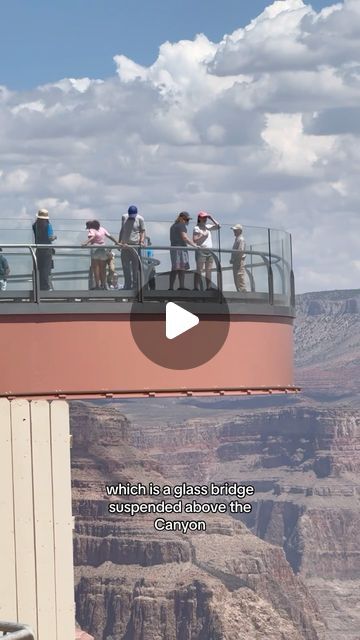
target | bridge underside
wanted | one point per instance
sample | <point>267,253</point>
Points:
<point>96,356</point>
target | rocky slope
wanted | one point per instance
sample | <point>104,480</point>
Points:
<point>327,343</point>
<point>135,583</point>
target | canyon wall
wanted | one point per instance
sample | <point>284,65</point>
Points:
<point>290,569</point>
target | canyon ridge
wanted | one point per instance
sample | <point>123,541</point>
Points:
<point>287,570</point>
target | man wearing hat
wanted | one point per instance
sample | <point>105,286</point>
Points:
<point>202,237</point>
<point>44,234</point>
<point>132,233</point>
<point>238,258</point>
<point>180,255</point>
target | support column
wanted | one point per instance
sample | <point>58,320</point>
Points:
<point>36,539</point>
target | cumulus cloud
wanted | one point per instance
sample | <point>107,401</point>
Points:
<point>261,128</point>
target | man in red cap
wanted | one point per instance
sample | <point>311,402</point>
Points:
<point>202,238</point>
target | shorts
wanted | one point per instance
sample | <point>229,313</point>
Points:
<point>179,259</point>
<point>100,253</point>
<point>3,284</point>
<point>204,257</point>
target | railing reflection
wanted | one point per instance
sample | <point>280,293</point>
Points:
<point>269,275</point>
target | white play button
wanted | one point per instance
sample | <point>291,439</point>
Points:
<point>178,320</point>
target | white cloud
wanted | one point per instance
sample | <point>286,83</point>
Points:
<point>37,105</point>
<point>13,181</point>
<point>260,128</point>
<point>295,153</point>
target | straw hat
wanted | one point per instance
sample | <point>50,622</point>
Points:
<point>43,214</point>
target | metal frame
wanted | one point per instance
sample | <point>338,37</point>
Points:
<point>156,393</point>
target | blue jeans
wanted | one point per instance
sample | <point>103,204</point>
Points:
<point>130,265</point>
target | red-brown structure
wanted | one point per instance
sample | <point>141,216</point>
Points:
<point>96,356</point>
<point>73,342</point>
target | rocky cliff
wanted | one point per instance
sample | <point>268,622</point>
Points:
<point>135,583</point>
<point>327,343</point>
<point>287,570</point>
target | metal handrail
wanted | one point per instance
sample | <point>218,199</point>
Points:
<point>265,260</point>
<point>15,631</point>
<point>32,247</point>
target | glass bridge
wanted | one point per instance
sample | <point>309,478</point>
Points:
<point>268,268</point>
<point>73,340</point>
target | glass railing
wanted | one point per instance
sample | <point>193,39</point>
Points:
<point>72,231</point>
<point>267,273</point>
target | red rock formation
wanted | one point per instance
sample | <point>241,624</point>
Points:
<point>299,565</point>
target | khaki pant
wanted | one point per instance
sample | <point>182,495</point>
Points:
<point>239,275</point>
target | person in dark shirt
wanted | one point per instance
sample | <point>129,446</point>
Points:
<point>132,234</point>
<point>180,255</point>
<point>4,272</point>
<point>44,234</point>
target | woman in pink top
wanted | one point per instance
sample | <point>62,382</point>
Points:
<point>99,254</point>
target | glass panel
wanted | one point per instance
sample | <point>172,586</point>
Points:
<point>71,263</point>
<point>280,248</point>
<point>256,260</point>
<point>72,270</point>
<point>19,282</point>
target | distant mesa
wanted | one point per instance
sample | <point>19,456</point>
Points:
<point>351,306</point>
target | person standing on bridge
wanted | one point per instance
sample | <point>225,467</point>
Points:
<point>238,258</point>
<point>179,254</point>
<point>44,234</point>
<point>132,235</point>
<point>4,272</point>
<point>99,253</point>
<point>204,257</point>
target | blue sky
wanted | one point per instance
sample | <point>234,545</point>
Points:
<point>42,41</point>
<point>259,127</point>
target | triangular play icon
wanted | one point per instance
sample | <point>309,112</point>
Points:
<point>178,320</point>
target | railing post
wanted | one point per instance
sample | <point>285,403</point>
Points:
<point>270,273</point>
<point>292,278</point>
<point>219,278</point>
<point>219,244</point>
<point>140,279</point>
<point>35,277</point>
<point>252,280</point>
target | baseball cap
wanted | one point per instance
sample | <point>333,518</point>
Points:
<point>132,210</point>
<point>203,214</point>
<point>185,214</point>
<point>237,227</point>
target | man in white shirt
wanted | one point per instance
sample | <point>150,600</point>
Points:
<point>238,258</point>
<point>202,238</point>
